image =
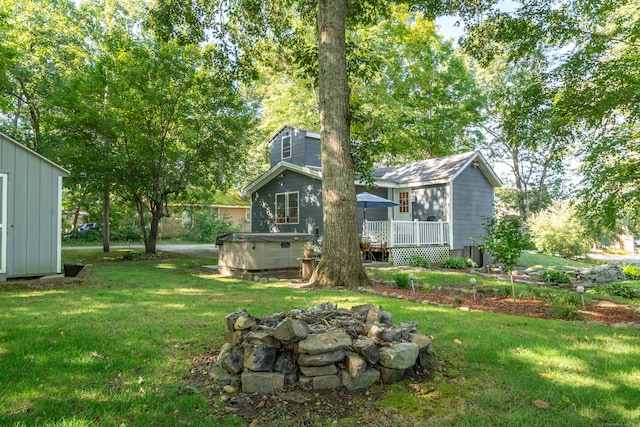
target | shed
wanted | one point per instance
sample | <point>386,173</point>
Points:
<point>30,212</point>
<point>275,254</point>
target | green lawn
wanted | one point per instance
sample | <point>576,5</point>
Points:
<point>115,349</point>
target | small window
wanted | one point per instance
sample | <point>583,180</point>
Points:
<point>286,146</point>
<point>287,208</point>
<point>404,201</point>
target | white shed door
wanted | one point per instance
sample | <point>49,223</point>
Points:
<point>3,223</point>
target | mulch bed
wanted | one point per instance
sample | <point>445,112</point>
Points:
<point>597,311</point>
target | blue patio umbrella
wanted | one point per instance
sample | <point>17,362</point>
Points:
<point>367,200</point>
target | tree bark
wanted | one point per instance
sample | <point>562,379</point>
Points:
<point>340,264</point>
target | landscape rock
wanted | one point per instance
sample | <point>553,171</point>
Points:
<point>261,382</point>
<point>259,358</point>
<point>399,356</point>
<point>366,380</point>
<point>291,330</point>
<point>322,343</point>
<point>322,348</point>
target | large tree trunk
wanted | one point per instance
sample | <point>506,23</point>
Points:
<point>340,264</point>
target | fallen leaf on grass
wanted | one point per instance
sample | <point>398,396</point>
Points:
<point>97,355</point>
<point>544,375</point>
<point>457,341</point>
<point>541,404</point>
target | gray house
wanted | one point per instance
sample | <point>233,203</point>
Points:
<point>30,212</point>
<point>442,202</point>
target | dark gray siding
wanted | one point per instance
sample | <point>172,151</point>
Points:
<point>33,212</point>
<point>472,205</point>
<point>263,205</point>
<point>305,150</point>
<point>431,203</point>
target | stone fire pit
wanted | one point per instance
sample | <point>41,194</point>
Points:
<point>324,347</point>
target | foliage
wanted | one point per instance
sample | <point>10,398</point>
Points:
<point>504,239</point>
<point>595,67</point>
<point>631,271</point>
<point>551,276</point>
<point>454,263</point>
<point>526,131</point>
<point>418,261</point>
<point>566,312</point>
<point>558,230</point>
<point>402,280</point>
<point>618,289</point>
<point>205,227</point>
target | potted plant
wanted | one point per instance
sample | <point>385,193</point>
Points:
<point>365,244</point>
<point>309,250</point>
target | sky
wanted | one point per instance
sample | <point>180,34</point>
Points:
<point>448,29</point>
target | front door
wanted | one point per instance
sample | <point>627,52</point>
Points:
<point>402,212</point>
<point>3,223</point>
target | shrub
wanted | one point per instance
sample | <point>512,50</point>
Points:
<point>418,261</point>
<point>402,280</point>
<point>632,272</point>
<point>566,305</point>
<point>554,277</point>
<point>558,231</point>
<point>502,291</point>
<point>566,312</point>
<point>618,289</point>
<point>454,263</point>
<point>205,227</point>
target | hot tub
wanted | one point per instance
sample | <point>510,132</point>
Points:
<point>273,254</point>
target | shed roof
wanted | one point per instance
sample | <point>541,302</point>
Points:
<point>36,154</point>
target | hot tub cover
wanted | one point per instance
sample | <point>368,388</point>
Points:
<point>262,237</point>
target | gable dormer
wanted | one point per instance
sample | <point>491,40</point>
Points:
<point>295,145</point>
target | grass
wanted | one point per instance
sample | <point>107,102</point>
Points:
<point>116,350</point>
<point>549,262</point>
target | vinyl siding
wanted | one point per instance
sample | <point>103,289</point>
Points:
<point>305,151</point>
<point>431,201</point>
<point>32,214</point>
<point>472,205</point>
<point>263,205</point>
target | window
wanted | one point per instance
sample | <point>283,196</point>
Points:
<point>404,201</point>
<point>287,208</point>
<point>286,146</point>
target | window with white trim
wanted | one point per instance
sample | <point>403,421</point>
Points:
<point>286,145</point>
<point>287,208</point>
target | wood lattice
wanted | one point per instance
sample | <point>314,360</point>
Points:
<point>402,256</point>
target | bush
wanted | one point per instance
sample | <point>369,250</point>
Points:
<point>206,227</point>
<point>502,291</point>
<point>454,263</point>
<point>402,280</point>
<point>558,231</point>
<point>618,289</point>
<point>554,277</point>
<point>418,261</point>
<point>632,272</point>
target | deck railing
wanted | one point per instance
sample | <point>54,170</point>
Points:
<point>407,233</point>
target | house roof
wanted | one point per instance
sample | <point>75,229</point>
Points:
<point>439,170</point>
<point>310,171</point>
<point>34,153</point>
